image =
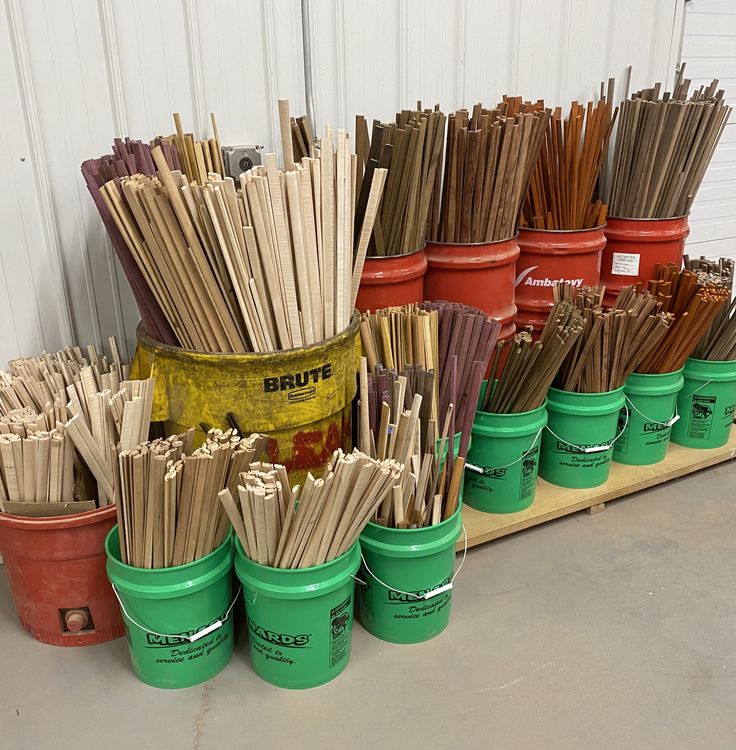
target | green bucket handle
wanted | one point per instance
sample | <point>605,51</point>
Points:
<point>489,470</point>
<point>216,625</point>
<point>668,423</point>
<point>595,448</point>
<point>700,388</point>
<point>429,594</point>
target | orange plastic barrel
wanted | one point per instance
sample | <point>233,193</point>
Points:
<point>56,569</point>
<point>480,274</point>
<point>392,281</point>
<point>547,257</point>
<point>633,247</point>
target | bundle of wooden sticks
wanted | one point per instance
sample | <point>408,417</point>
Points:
<point>411,151</point>
<point>406,433</point>
<point>694,306</point>
<point>563,183</point>
<point>167,504</point>
<point>273,266</point>
<point>531,367</point>
<point>453,340</point>
<point>51,404</point>
<point>719,341</point>
<point>182,152</point>
<point>284,527</point>
<point>489,158</point>
<point>663,147</point>
<point>613,342</point>
<point>37,467</point>
<point>435,356</point>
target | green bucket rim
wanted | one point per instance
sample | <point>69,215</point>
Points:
<point>344,568</point>
<point>174,590</point>
<point>413,549</point>
<point>539,420</point>
<point>695,369</point>
<point>611,402</point>
<point>654,384</point>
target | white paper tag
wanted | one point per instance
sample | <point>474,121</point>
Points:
<point>673,420</point>
<point>626,264</point>
<point>437,592</point>
<point>205,631</point>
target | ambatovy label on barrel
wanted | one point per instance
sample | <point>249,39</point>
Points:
<point>181,649</point>
<point>270,644</point>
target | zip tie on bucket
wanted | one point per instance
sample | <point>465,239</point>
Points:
<point>594,448</point>
<point>428,594</point>
<point>216,625</point>
<point>489,470</point>
<point>668,423</point>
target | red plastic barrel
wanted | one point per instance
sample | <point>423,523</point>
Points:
<point>481,275</point>
<point>392,281</point>
<point>635,245</point>
<point>547,257</point>
<point>56,568</point>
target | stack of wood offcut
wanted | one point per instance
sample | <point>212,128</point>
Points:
<point>167,504</point>
<point>613,342</point>
<point>410,150</point>
<point>419,385</point>
<point>490,155</point>
<point>62,419</point>
<point>562,191</point>
<point>183,152</point>
<point>664,143</point>
<point>291,527</point>
<point>694,307</point>
<point>269,265</point>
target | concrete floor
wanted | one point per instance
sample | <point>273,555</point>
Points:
<point>612,631</point>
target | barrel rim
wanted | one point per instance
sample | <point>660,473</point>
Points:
<point>55,523</point>
<point>180,353</point>
<point>397,255</point>
<point>644,218</point>
<point>472,244</point>
<point>599,228</point>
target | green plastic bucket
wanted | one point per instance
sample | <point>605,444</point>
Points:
<point>506,448</point>
<point>406,588</point>
<point>706,404</point>
<point>300,622</point>
<point>647,418</point>
<point>179,624</point>
<point>578,443</point>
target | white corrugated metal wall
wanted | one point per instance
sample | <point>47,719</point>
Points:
<point>709,49</point>
<point>76,73</point>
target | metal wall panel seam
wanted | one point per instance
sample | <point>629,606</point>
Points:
<point>120,119</point>
<point>42,180</point>
<point>269,63</point>
<point>339,66</point>
<point>462,25</point>
<point>199,105</point>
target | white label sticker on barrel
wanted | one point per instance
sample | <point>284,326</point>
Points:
<point>626,264</point>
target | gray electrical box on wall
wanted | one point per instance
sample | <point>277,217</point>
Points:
<point>239,159</point>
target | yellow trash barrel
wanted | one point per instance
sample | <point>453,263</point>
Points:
<point>301,398</point>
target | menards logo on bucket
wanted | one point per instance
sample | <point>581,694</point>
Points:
<point>155,640</point>
<point>400,597</point>
<point>527,279</point>
<point>278,639</point>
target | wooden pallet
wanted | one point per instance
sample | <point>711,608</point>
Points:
<point>553,502</point>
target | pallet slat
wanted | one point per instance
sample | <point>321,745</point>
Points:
<point>554,502</point>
